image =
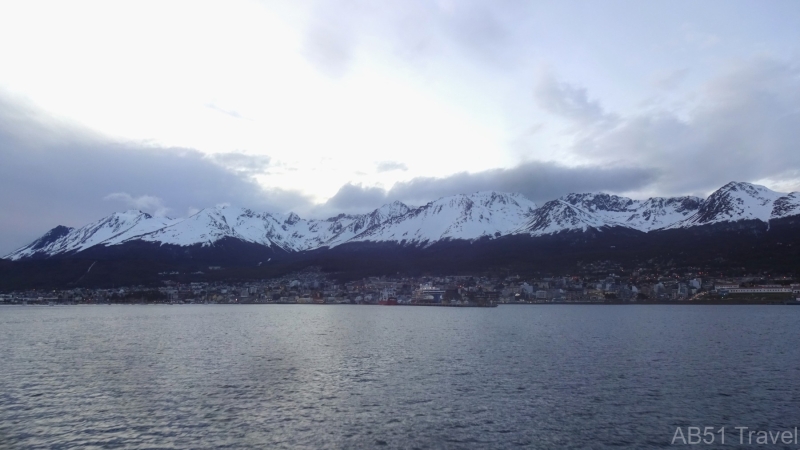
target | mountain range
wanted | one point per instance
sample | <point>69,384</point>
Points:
<point>478,216</point>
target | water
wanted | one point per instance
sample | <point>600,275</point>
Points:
<point>324,376</point>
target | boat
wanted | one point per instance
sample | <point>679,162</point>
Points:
<point>387,298</point>
<point>427,294</point>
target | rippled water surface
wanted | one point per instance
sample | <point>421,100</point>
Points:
<point>324,376</point>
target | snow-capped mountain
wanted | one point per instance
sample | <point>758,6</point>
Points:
<point>286,231</point>
<point>556,216</point>
<point>360,224</point>
<point>459,217</point>
<point>212,224</point>
<point>660,212</point>
<point>731,203</point>
<point>111,230</point>
<point>456,217</point>
<point>741,201</point>
<point>785,206</point>
<point>576,212</point>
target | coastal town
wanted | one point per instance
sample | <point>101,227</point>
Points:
<point>312,286</point>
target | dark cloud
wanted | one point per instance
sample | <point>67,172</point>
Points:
<point>355,198</point>
<point>539,181</point>
<point>745,127</point>
<point>387,166</point>
<point>56,173</point>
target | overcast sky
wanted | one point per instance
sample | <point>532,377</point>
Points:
<point>321,107</point>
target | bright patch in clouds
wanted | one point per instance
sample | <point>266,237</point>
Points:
<point>232,76</point>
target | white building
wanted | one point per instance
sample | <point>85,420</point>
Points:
<point>760,290</point>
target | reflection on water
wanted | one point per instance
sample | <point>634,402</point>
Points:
<point>317,376</point>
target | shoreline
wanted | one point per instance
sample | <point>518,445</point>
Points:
<point>687,303</point>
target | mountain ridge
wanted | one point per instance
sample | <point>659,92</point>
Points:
<point>468,217</point>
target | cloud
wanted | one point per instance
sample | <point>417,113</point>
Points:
<point>387,166</point>
<point>745,127</point>
<point>570,102</point>
<point>243,163</point>
<point>670,81</point>
<point>338,30</point>
<point>539,181</point>
<point>742,125</point>
<point>146,203</point>
<point>355,198</point>
<point>56,173</point>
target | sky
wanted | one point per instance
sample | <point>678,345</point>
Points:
<point>322,107</point>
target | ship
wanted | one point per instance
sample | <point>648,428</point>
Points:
<point>427,294</point>
<point>387,298</point>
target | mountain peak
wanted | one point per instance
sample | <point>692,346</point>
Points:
<point>741,186</point>
<point>559,215</point>
<point>733,202</point>
<point>131,213</point>
<point>487,197</point>
<point>601,202</point>
<point>47,239</point>
<point>292,219</point>
<point>396,208</point>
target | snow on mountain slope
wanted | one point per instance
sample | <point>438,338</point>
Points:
<point>109,231</point>
<point>290,232</point>
<point>287,231</point>
<point>42,245</point>
<point>456,217</point>
<point>559,215</point>
<point>582,211</point>
<point>785,206</point>
<point>300,234</point>
<point>660,212</point>
<point>731,203</point>
<point>653,213</point>
<point>360,224</point>
<point>208,226</point>
<point>609,209</point>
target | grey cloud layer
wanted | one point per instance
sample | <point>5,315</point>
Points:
<point>539,181</point>
<point>54,173</point>
<point>745,126</point>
